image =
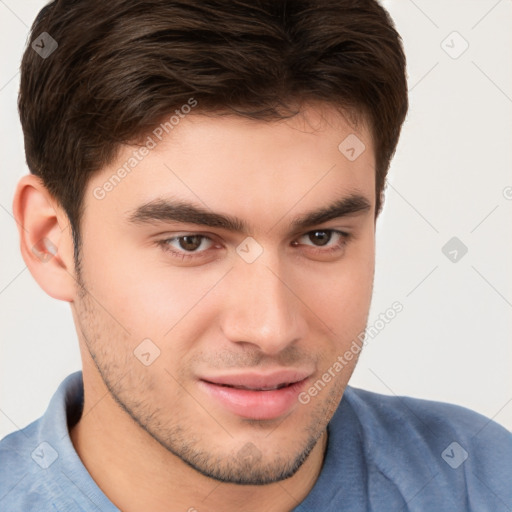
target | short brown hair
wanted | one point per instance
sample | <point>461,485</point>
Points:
<point>123,65</point>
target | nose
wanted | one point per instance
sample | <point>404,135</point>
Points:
<point>261,308</point>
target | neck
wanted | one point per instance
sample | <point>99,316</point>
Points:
<point>136,473</point>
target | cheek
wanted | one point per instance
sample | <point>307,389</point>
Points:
<point>340,293</point>
<point>140,291</point>
<point>138,288</point>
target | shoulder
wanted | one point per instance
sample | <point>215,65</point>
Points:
<point>19,467</point>
<point>32,459</point>
<point>431,421</point>
<point>428,446</point>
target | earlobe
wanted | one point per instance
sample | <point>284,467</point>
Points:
<point>46,241</point>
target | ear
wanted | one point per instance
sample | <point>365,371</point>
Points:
<point>46,240</point>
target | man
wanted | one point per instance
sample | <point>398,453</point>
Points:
<point>205,181</point>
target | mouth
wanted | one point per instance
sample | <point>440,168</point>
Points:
<point>256,396</point>
<point>268,388</point>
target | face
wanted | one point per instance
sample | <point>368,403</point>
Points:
<point>219,331</point>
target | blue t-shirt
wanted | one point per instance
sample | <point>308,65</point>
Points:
<point>384,453</point>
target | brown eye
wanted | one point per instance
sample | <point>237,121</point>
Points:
<point>323,237</point>
<point>187,246</point>
<point>190,242</point>
<point>324,242</point>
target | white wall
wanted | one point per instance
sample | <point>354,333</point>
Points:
<point>449,178</point>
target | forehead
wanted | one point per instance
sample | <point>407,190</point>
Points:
<point>259,171</point>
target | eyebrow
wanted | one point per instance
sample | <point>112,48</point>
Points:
<point>161,210</point>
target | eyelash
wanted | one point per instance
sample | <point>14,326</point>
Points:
<point>164,244</point>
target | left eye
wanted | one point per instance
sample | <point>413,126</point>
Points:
<point>323,236</point>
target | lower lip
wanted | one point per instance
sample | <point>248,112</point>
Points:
<point>258,405</point>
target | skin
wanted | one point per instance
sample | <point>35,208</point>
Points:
<point>150,437</point>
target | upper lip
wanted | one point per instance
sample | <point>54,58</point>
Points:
<point>253,380</point>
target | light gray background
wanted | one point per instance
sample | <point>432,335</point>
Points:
<point>451,176</point>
